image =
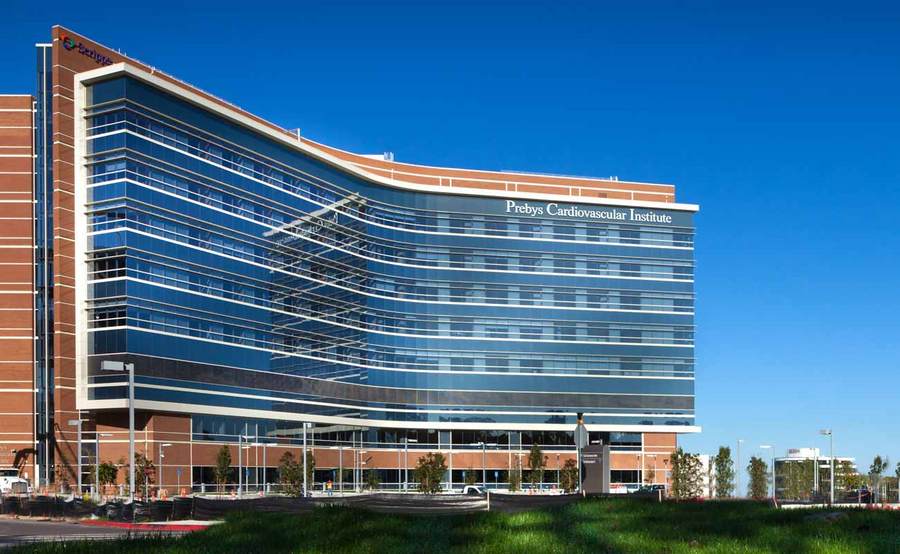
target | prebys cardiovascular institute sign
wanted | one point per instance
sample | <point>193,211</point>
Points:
<point>554,209</point>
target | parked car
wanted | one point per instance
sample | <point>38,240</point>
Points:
<point>862,496</point>
<point>472,490</point>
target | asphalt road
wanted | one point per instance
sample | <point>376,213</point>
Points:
<point>19,531</point>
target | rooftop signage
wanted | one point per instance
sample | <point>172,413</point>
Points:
<point>554,209</point>
<point>70,44</point>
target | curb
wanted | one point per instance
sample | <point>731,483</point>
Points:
<point>186,527</point>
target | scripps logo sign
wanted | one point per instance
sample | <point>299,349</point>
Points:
<point>71,44</point>
<point>608,214</point>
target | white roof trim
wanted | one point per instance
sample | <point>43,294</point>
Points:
<point>123,68</point>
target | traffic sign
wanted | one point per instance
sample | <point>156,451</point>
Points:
<point>581,436</point>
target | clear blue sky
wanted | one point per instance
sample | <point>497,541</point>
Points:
<point>783,123</point>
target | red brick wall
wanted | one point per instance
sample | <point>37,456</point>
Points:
<point>17,283</point>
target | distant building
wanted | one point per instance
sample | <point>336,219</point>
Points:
<point>708,463</point>
<point>805,473</point>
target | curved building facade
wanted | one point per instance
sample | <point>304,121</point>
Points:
<point>256,280</point>
<point>238,273</point>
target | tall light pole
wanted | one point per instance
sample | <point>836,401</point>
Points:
<point>265,446</point>
<point>484,465</point>
<point>112,365</point>
<point>558,473</point>
<point>247,446</point>
<point>492,445</point>
<point>484,446</point>
<point>582,437</point>
<point>830,435</point>
<point>241,437</point>
<point>77,424</point>
<point>655,476</point>
<point>769,446</point>
<point>340,471</point>
<point>358,475</point>
<point>483,462</point>
<point>739,468</point>
<point>406,441</point>
<point>160,462</point>
<point>816,473</point>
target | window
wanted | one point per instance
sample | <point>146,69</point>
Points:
<point>624,476</point>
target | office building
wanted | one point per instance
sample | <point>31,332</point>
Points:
<point>264,286</point>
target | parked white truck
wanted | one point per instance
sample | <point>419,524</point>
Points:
<point>11,482</point>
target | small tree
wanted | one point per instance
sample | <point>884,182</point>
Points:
<point>471,478</point>
<point>372,480</point>
<point>759,478</point>
<point>687,475</point>
<point>853,481</point>
<point>878,467</point>
<point>108,472</point>
<point>144,472</point>
<point>290,473</point>
<point>536,463</point>
<point>568,477</point>
<point>430,471</point>
<point>222,470</point>
<point>724,471</point>
<point>310,468</point>
<point>62,477</point>
<point>515,476</point>
<point>649,476</point>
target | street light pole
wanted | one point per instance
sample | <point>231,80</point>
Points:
<point>655,476</point>
<point>739,468</point>
<point>97,463</point>
<point>831,455</point>
<point>77,424</point>
<point>765,446</point>
<point>816,473</point>
<point>484,465</point>
<point>112,365</point>
<point>357,462</point>
<point>160,461</point>
<point>558,472</point>
<point>265,469</point>
<point>406,441</point>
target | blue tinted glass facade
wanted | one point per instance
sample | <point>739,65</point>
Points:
<point>43,262</point>
<point>239,273</point>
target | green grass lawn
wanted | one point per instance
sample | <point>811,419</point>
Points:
<point>615,525</point>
